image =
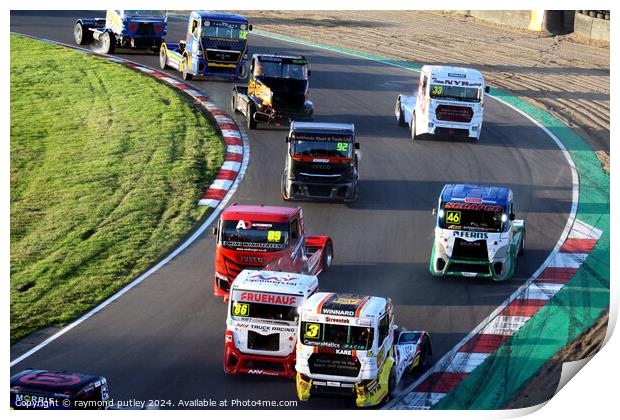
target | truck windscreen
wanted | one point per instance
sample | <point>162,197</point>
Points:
<point>146,13</point>
<point>282,70</point>
<point>264,311</point>
<point>470,216</point>
<point>337,336</point>
<point>459,93</point>
<point>322,145</point>
<point>224,30</point>
<point>247,234</point>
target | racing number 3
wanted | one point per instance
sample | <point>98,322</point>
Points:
<point>453,217</point>
<point>312,330</point>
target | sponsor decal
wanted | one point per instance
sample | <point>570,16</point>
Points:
<point>320,160</point>
<point>464,83</point>
<point>457,75</point>
<point>321,137</point>
<point>337,320</point>
<point>268,298</point>
<point>342,312</point>
<point>473,206</point>
<point>474,235</point>
<point>249,259</point>
<point>261,372</point>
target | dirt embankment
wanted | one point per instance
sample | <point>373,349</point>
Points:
<point>565,75</point>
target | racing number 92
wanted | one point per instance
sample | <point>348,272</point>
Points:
<point>342,147</point>
<point>453,217</point>
<point>312,330</point>
<point>241,309</point>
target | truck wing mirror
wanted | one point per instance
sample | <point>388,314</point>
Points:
<point>357,146</point>
<point>434,211</point>
<point>487,89</point>
<point>250,27</point>
<point>214,231</point>
<point>512,216</point>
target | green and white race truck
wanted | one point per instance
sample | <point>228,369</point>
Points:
<point>476,234</point>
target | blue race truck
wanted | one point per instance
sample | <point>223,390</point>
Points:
<point>136,29</point>
<point>215,45</point>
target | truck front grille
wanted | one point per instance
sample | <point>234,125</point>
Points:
<point>270,342</point>
<point>476,250</point>
<point>334,364</point>
<point>454,113</point>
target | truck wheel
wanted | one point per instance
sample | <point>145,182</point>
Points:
<point>81,35</point>
<point>328,255</point>
<point>401,117</point>
<point>186,74</point>
<point>163,59</point>
<point>413,130</point>
<point>522,248</point>
<point>233,103</point>
<point>391,385</point>
<point>108,42</point>
<point>250,116</point>
<point>283,187</point>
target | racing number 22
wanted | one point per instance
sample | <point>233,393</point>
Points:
<point>312,330</point>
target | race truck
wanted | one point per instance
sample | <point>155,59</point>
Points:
<point>139,29</point>
<point>449,103</point>
<point>215,45</point>
<point>266,238</point>
<point>476,234</point>
<point>41,389</point>
<point>349,346</point>
<point>262,322</point>
<point>277,91</point>
<point>321,162</point>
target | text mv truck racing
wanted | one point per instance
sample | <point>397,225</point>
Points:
<point>321,163</point>
<point>476,234</point>
<point>263,320</point>
<point>449,102</point>
<point>269,238</point>
<point>349,346</point>
<point>215,45</point>
<point>277,91</point>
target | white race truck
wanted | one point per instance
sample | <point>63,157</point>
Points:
<point>262,321</point>
<point>348,345</point>
<point>449,102</point>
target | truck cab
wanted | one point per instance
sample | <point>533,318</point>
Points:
<point>476,233</point>
<point>57,390</point>
<point>215,45</point>
<point>449,102</point>
<point>277,91</point>
<point>348,345</point>
<point>256,237</point>
<point>321,163</point>
<point>135,29</point>
<point>263,320</point>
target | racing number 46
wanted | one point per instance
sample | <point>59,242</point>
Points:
<point>453,217</point>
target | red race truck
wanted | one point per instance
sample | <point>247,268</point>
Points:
<point>266,238</point>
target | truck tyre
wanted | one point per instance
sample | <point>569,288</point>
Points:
<point>328,255</point>
<point>108,42</point>
<point>186,74</point>
<point>250,116</point>
<point>401,117</point>
<point>413,128</point>
<point>391,385</point>
<point>233,103</point>
<point>81,35</point>
<point>163,59</point>
<point>522,247</point>
<point>283,187</point>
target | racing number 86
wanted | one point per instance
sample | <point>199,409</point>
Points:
<point>241,309</point>
<point>312,330</point>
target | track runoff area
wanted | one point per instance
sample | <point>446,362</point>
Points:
<point>378,243</point>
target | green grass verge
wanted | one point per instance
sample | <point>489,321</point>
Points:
<point>107,167</point>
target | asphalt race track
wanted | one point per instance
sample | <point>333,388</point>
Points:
<point>165,338</point>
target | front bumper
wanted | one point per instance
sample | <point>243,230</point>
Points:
<point>238,363</point>
<point>497,269</point>
<point>214,69</point>
<point>365,395</point>
<point>303,190</point>
<point>285,116</point>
